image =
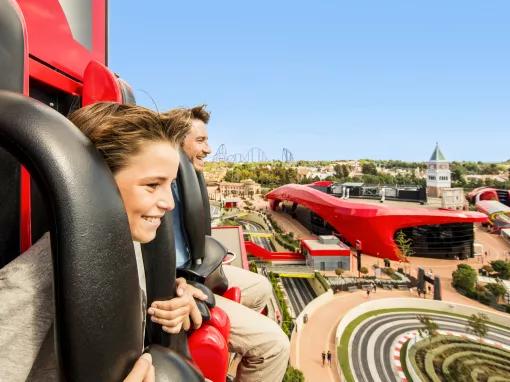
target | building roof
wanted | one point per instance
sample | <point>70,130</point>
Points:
<point>316,245</point>
<point>374,224</point>
<point>437,155</point>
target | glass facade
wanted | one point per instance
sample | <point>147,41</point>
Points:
<point>445,241</point>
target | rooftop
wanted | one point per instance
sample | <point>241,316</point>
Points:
<point>316,245</point>
<point>437,155</point>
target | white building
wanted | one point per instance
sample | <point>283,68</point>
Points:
<point>453,198</point>
<point>438,173</point>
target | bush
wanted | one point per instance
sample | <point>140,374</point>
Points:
<point>502,268</point>
<point>293,375</point>
<point>464,277</point>
<point>391,273</point>
<point>322,280</point>
<point>497,289</point>
<point>485,297</point>
<point>287,324</point>
<point>253,267</point>
<point>487,268</point>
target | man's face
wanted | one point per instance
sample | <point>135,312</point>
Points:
<point>196,144</point>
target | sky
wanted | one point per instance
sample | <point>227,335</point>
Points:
<point>326,79</point>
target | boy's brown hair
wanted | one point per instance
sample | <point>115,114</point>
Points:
<point>119,131</point>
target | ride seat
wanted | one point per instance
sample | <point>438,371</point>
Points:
<point>98,324</point>
<point>207,253</point>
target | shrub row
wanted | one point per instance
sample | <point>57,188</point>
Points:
<point>287,324</point>
<point>465,281</point>
<point>322,280</point>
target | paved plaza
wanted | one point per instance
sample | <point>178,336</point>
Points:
<point>319,333</point>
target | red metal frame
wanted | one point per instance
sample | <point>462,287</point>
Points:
<point>51,41</point>
<point>264,254</point>
<point>25,224</point>
<point>374,225</point>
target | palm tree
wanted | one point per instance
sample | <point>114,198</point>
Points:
<point>429,327</point>
<point>477,325</point>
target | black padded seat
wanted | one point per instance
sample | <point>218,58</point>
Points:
<point>205,202</point>
<point>98,322</point>
<point>12,60</point>
<point>206,252</point>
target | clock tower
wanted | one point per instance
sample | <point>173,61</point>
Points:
<point>438,173</point>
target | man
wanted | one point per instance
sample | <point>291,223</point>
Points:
<point>259,340</point>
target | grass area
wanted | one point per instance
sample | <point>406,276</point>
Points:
<point>343,347</point>
<point>451,358</point>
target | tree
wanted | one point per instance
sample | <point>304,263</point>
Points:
<point>364,271</point>
<point>293,375</point>
<point>405,245</point>
<point>502,268</point>
<point>369,168</point>
<point>341,171</point>
<point>339,272</point>
<point>429,327</point>
<point>497,289</point>
<point>464,277</point>
<point>477,325</point>
<point>458,175</point>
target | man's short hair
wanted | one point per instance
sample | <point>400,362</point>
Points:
<point>183,113</point>
<point>200,112</point>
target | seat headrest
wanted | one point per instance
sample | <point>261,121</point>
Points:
<point>98,321</point>
<point>205,202</point>
<point>159,264</point>
<point>192,206</point>
<point>13,53</point>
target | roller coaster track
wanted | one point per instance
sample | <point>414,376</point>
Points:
<point>254,154</point>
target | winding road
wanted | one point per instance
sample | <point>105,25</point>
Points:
<point>371,343</point>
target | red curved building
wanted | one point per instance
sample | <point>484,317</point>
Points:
<point>434,233</point>
<point>489,193</point>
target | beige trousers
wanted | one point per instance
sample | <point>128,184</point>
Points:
<point>263,346</point>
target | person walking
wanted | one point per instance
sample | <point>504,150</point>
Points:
<point>368,292</point>
<point>323,357</point>
<point>329,357</point>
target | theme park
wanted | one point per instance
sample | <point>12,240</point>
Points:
<point>138,243</point>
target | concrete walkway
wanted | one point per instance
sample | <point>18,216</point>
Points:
<point>318,334</point>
